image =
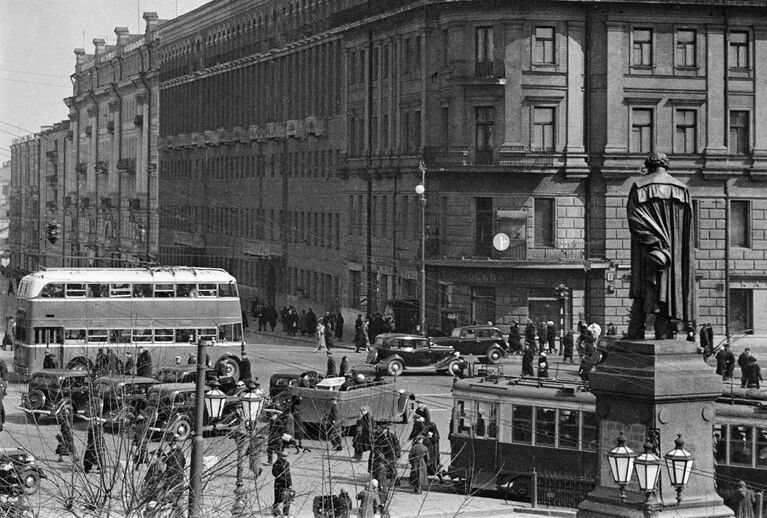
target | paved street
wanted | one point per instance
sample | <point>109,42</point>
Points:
<point>314,472</point>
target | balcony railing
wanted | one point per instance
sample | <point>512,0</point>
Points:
<point>52,179</point>
<point>126,165</point>
<point>517,251</point>
<point>444,155</point>
<point>483,69</point>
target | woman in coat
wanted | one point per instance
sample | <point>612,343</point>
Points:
<point>419,457</point>
<point>321,337</point>
<point>95,446</point>
<point>432,445</point>
<point>363,437</point>
<point>298,424</point>
<point>344,367</point>
<point>744,497</point>
<point>66,445</point>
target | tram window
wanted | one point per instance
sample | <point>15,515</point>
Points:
<point>185,335</point>
<point>590,432</point>
<point>464,420</point>
<point>207,290</point>
<point>120,290</point>
<point>143,290</point>
<point>98,290</point>
<point>487,419</point>
<point>568,429</point>
<point>75,291</point>
<point>142,335</point>
<point>761,447</point>
<point>97,336</point>
<point>119,336</point>
<point>227,290</point>
<point>720,443</point>
<point>522,424</point>
<point>52,291</point>
<point>163,335</point>
<point>164,290</point>
<point>741,439</point>
<point>74,334</point>
<point>545,426</point>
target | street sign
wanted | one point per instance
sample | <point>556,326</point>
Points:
<point>363,300</point>
<point>501,241</point>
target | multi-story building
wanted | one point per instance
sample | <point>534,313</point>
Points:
<point>110,191</point>
<point>5,193</point>
<point>530,120</point>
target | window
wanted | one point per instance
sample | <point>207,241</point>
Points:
<point>684,136</point>
<point>740,223</point>
<point>445,125</point>
<point>685,48</point>
<point>544,221</point>
<point>720,443</point>
<point>739,133</point>
<point>761,447</point>
<point>445,43</point>
<point>75,290</point>
<point>52,291</point>
<point>641,130</point>
<point>352,67</point>
<point>164,290</point>
<point>568,429</point>
<point>545,426</point>
<point>543,129</point>
<point>487,419</point>
<point>590,432</point>
<point>696,222</point>
<point>742,311</point>
<point>543,49</point>
<point>483,136</point>
<point>376,53</point>
<point>522,424</point>
<point>408,57</point>
<point>741,439</point>
<point>120,290</point>
<point>642,48</point>
<point>463,421</point>
<point>484,51</point>
<point>484,227</point>
<point>738,54</point>
<point>385,70</point>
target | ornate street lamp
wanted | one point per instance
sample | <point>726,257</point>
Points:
<point>621,461</point>
<point>420,190</point>
<point>252,402</point>
<point>647,467</point>
<point>214,402</point>
<point>679,465</point>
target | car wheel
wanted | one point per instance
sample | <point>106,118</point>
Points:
<point>494,355</point>
<point>181,429</point>
<point>229,367</point>
<point>30,481</point>
<point>453,368</point>
<point>36,399</point>
<point>395,368</point>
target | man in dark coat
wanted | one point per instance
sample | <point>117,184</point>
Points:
<point>725,362</point>
<point>49,362</point>
<point>363,437</point>
<point>283,484</point>
<point>298,424</point>
<point>274,439</point>
<point>130,363</point>
<point>344,367</point>
<point>144,363</point>
<point>95,446</point>
<point>527,361</point>
<point>333,426</point>
<point>515,341</point>
<point>754,373</point>
<point>743,361</point>
<point>245,374</point>
<point>551,337</point>
<point>418,457</point>
<point>331,372</point>
<point>662,272</point>
<point>567,347</point>
<point>530,334</point>
<point>66,440</point>
<point>432,445</point>
<point>543,365</point>
<point>271,317</point>
<point>175,462</point>
<point>339,324</point>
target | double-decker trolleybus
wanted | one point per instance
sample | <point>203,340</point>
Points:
<point>504,429</point>
<point>75,312</point>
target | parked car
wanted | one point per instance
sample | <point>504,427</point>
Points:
<point>280,381</point>
<point>188,374</point>
<point>170,411</point>
<point>486,343</point>
<point>49,388</point>
<point>122,397</point>
<point>19,472</point>
<point>395,353</point>
<point>385,400</point>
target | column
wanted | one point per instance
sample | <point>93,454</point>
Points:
<point>617,137</point>
<point>575,87</point>
<point>512,135</point>
<point>715,90</point>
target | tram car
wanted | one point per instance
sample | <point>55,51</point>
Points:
<point>504,430</point>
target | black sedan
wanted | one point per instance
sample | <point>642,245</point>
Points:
<point>486,343</point>
<point>394,353</point>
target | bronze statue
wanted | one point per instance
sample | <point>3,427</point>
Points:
<point>660,221</point>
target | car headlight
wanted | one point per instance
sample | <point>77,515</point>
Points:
<point>29,457</point>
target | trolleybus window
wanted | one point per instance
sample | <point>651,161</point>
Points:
<point>98,290</point>
<point>720,443</point>
<point>568,429</point>
<point>590,431</point>
<point>545,426</point>
<point>522,424</point>
<point>53,291</point>
<point>164,290</point>
<point>227,290</point>
<point>120,290</point>
<point>487,419</point>
<point>464,420</point>
<point>207,290</point>
<point>761,447</point>
<point>163,335</point>
<point>76,291</point>
<point>186,290</point>
<point>142,335</point>
<point>97,336</point>
<point>120,336</point>
<point>185,335</point>
<point>77,335</point>
<point>143,290</point>
<point>741,440</point>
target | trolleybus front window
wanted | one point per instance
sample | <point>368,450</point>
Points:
<point>227,290</point>
<point>52,291</point>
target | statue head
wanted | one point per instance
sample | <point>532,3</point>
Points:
<point>655,161</point>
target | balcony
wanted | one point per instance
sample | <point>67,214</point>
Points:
<point>517,251</point>
<point>134,204</point>
<point>127,165</point>
<point>53,156</point>
<point>85,202</point>
<point>102,166</point>
<point>138,120</point>
<point>110,126</point>
<point>445,156</point>
<point>67,202</point>
<point>81,168</point>
<point>483,69</point>
<point>106,203</point>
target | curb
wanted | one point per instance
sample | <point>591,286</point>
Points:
<point>297,339</point>
<point>537,511</point>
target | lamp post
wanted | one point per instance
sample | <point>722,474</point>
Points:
<point>621,461</point>
<point>679,465</point>
<point>251,403</point>
<point>647,467</point>
<point>562,292</point>
<point>214,402</point>
<point>420,190</point>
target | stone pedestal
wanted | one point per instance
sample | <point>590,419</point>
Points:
<point>664,385</point>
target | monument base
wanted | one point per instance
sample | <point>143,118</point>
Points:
<point>656,389</point>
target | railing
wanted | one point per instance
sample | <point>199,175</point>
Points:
<point>517,251</point>
<point>483,69</point>
<point>443,155</point>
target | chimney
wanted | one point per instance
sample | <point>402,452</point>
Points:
<point>122,35</point>
<point>151,21</point>
<point>79,56</point>
<point>99,45</point>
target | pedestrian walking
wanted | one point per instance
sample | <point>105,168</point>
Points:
<point>530,333</point>
<point>551,336</point>
<point>274,442</point>
<point>144,363</point>
<point>370,501</point>
<point>344,367</point>
<point>66,440</point>
<point>418,458</point>
<point>725,362</point>
<point>320,337</point>
<point>744,501</point>
<point>152,487</point>
<point>339,327</point>
<point>332,426</point>
<point>245,368</point>
<point>49,361</point>
<point>527,361</point>
<point>432,445</point>
<point>743,361</point>
<point>567,347</point>
<point>175,462</point>
<point>140,436</point>
<point>329,329</point>
<point>363,436</point>
<point>283,485</point>
<point>95,446</point>
<point>754,373</point>
<point>543,365</point>
<point>298,424</point>
<point>515,340</point>
<point>331,372</point>
<point>419,428</point>
<point>130,364</point>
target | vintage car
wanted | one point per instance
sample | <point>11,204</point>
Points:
<point>385,400</point>
<point>169,411</point>
<point>49,388</point>
<point>486,343</point>
<point>188,374</point>
<point>122,397</point>
<point>19,472</point>
<point>395,353</point>
<point>280,381</point>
